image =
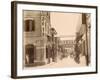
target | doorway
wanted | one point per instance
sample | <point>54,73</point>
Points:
<point>29,53</point>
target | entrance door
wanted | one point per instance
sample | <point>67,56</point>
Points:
<point>29,54</point>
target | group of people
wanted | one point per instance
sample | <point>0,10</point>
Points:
<point>51,53</point>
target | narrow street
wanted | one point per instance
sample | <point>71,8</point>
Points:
<point>65,62</point>
<point>71,37</point>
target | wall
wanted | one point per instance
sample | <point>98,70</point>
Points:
<point>36,17</point>
<point>5,40</point>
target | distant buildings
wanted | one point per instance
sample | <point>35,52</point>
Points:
<point>68,47</point>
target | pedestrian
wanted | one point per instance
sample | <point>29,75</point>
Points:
<point>48,53</point>
<point>77,53</point>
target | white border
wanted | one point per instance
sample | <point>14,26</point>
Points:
<point>22,72</point>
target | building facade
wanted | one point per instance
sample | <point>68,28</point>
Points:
<point>36,37</point>
<point>83,36</point>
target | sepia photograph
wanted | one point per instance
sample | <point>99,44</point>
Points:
<point>53,39</point>
<point>56,39</point>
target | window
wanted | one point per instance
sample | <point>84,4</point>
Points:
<point>29,25</point>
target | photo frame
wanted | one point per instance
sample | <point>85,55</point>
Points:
<point>50,39</point>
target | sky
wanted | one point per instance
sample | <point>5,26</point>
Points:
<point>65,24</point>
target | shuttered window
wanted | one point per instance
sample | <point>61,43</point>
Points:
<point>29,25</point>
